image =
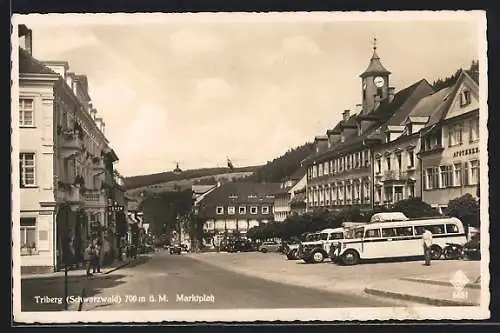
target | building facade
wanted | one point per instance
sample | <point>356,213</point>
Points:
<point>233,208</point>
<point>450,144</point>
<point>341,172</point>
<point>286,194</point>
<point>62,162</point>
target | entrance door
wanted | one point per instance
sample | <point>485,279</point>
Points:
<point>398,193</point>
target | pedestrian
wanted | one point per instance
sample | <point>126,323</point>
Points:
<point>88,256</point>
<point>427,242</point>
<point>97,257</point>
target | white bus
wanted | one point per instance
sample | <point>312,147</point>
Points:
<point>379,240</point>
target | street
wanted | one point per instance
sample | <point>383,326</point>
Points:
<point>165,276</point>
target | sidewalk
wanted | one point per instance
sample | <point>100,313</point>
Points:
<point>439,290</point>
<point>81,271</point>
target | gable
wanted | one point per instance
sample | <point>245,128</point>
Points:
<point>462,104</point>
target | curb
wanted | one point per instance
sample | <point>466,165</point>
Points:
<point>419,299</point>
<point>440,283</point>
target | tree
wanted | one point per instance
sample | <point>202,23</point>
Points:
<point>193,224</point>
<point>414,208</point>
<point>466,209</point>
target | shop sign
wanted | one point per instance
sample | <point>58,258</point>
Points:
<point>465,152</point>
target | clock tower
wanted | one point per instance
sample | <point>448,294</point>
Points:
<point>374,82</point>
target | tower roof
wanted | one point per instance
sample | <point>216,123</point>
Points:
<point>375,67</point>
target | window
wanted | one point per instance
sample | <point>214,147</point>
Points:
<point>379,165</point>
<point>373,233</point>
<point>457,174</point>
<point>220,210</point>
<point>455,135</point>
<point>231,210</point>
<point>465,98</point>
<point>474,129</point>
<point>327,168</point>
<point>432,178</point>
<point>379,92</point>
<point>398,157</point>
<point>253,210</point>
<point>242,210</point>
<point>437,229</point>
<point>26,112</point>
<point>411,190</point>
<point>446,176</point>
<point>451,229</point>
<point>27,169</point>
<point>419,230</point>
<point>320,172</point>
<point>265,209</point>
<point>28,235</point>
<point>404,231</point>
<point>388,161</point>
<point>388,232</point>
<point>466,173</point>
<point>474,172</point>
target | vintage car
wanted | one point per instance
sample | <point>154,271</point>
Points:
<point>175,249</point>
<point>317,246</point>
<point>270,247</point>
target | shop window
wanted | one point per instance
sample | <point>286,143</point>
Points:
<point>28,236</point>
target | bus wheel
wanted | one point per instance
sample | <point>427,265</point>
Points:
<point>350,257</point>
<point>318,257</point>
<point>436,252</point>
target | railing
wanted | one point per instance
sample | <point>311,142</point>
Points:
<point>395,175</point>
<point>93,195</point>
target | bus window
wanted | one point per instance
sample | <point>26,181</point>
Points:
<point>358,233</point>
<point>404,231</point>
<point>419,230</point>
<point>436,229</point>
<point>388,232</point>
<point>451,229</point>
<point>372,233</point>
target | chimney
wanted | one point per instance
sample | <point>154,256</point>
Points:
<point>359,108</point>
<point>391,94</point>
<point>93,113</point>
<point>103,126</point>
<point>23,31</point>
<point>98,122</point>
<point>346,115</point>
<point>89,107</point>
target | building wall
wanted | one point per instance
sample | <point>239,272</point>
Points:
<point>39,140</point>
<point>328,189</point>
<point>460,159</point>
<point>404,176</point>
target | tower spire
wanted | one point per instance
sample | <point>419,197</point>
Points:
<point>374,44</point>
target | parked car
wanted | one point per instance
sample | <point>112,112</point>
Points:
<point>471,249</point>
<point>175,249</point>
<point>270,247</point>
<point>317,246</point>
<point>240,245</point>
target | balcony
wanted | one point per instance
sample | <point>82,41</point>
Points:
<point>94,198</point>
<point>70,144</point>
<point>392,175</point>
<point>70,194</point>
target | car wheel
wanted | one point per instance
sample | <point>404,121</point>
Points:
<point>264,250</point>
<point>318,257</point>
<point>436,252</point>
<point>350,257</point>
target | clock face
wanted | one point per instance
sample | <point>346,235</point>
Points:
<point>379,81</point>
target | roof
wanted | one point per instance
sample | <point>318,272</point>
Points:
<point>375,66</point>
<point>474,75</point>
<point>243,193</point>
<point>29,65</point>
<point>428,105</point>
<point>441,109</point>
<point>337,129</point>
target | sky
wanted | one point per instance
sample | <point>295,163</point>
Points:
<point>198,92</point>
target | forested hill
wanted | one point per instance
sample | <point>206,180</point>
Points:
<point>162,177</point>
<point>281,167</point>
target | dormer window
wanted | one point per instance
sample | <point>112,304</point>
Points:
<point>465,98</point>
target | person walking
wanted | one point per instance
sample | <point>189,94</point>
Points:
<point>427,242</point>
<point>97,258</point>
<point>88,257</point>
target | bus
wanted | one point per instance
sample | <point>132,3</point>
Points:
<point>380,240</point>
